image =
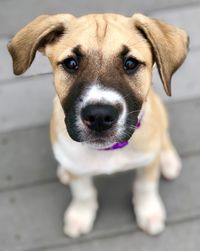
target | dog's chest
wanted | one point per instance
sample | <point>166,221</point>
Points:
<point>81,160</point>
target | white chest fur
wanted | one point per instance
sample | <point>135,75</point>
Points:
<point>81,160</point>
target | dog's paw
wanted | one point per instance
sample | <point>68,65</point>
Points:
<point>79,217</point>
<point>170,164</point>
<point>63,175</point>
<point>150,214</point>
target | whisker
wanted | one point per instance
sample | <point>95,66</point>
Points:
<point>134,111</point>
<point>127,95</point>
<point>132,127</point>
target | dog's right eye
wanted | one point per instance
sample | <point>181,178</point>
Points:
<point>130,65</point>
<point>70,65</point>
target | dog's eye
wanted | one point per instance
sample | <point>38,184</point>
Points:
<point>70,64</point>
<point>130,65</point>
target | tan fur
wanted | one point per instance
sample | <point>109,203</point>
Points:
<point>101,37</point>
<point>154,125</point>
<point>53,134</point>
<point>151,172</point>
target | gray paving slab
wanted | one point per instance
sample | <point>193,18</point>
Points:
<point>185,124</point>
<point>17,13</point>
<point>181,237</point>
<point>32,216</point>
<point>26,156</point>
<point>26,102</point>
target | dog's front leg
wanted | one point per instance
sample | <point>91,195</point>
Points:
<point>149,208</point>
<point>81,213</point>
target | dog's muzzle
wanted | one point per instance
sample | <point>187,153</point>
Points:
<point>100,116</point>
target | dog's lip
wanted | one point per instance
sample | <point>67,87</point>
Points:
<point>99,143</point>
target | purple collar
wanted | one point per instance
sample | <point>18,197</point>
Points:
<point>120,145</point>
<point>116,146</point>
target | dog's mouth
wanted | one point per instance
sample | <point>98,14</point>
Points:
<point>106,146</point>
<point>98,143</point>
<point>101,143</point>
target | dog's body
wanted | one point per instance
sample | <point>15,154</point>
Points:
<point>104,97</point>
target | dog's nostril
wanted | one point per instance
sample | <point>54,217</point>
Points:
<point>108,119</point>
<point>91,119</point>
<point>99,117</point>
<point>88,120</point>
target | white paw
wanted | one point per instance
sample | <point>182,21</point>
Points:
<point>170,164</point>
<point>79,217</point>
<point>63,175</point>
<point>150,214</point>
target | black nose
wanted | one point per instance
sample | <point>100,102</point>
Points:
<point>99,117</point>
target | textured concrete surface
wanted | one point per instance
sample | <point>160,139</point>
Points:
<point>26,102</point>
<point>32,215</point>
<point>172,239</point>
<point>32,202</point>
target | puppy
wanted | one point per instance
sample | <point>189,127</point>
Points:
<point>106,116</point>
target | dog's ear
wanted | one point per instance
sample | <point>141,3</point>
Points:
<point>169,46</point>
<point>43,30</point>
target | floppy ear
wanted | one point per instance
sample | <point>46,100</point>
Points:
<point>169,45</point>
<point>42,30</point>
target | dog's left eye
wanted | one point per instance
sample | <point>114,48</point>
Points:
<point>130,65</point>
<point>70,64</point>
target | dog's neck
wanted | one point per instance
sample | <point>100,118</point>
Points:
<point>120,145</point>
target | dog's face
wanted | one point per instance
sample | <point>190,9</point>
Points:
<point>102,67</point>
<point>102,75</point>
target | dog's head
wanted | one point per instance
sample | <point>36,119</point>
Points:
<point>102,66</point>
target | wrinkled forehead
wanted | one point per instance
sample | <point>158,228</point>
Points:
<point>106,34</point>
